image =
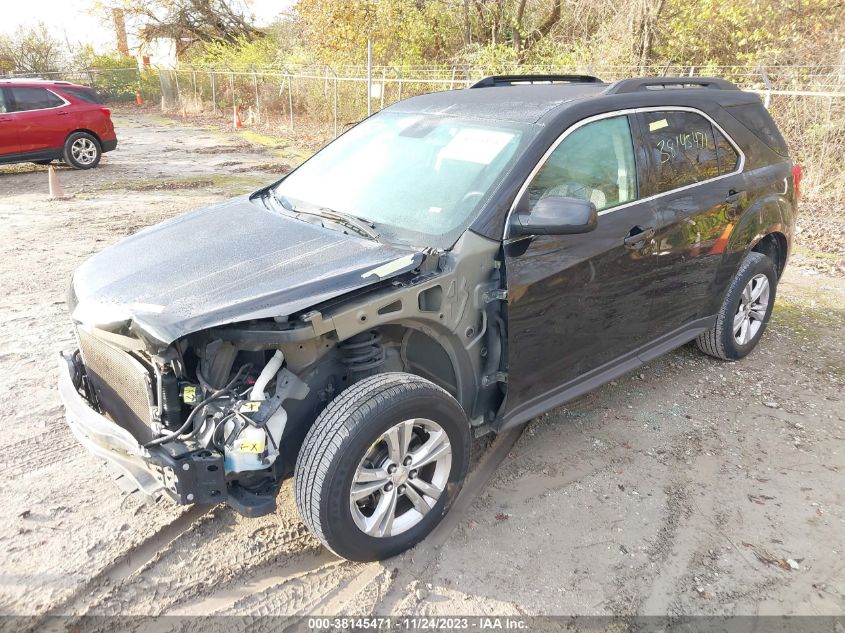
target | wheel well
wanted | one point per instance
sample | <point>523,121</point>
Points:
<point>415,350</point>
<point>426,357</point>
<point>91,132</point>
<point>418,349</point>
<point>774,247</point>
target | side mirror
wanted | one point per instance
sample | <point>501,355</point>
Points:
<point>556,215</point>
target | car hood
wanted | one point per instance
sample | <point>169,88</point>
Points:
<point>230,262</point>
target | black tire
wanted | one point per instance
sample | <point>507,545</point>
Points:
<point>338,441</point>
<point>720,341</point>
<point>89,140</point>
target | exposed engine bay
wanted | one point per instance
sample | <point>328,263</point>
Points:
<point>220,414</point>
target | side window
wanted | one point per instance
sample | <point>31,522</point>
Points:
<point>27,98</point>
<point>728,158</point>
<point>757,119</point>
<point>595,163</point>
<point>2,101</point>
<point>682,148</point>
<point>84,94</point>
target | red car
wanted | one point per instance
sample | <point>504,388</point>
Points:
<point>41,121</point>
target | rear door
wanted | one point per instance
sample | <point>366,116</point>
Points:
<point>696,178</point>
<point>8,133</point>
<point>41,118</point>
<point>578,305</point>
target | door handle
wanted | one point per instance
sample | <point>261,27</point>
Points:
<point>734,200</point>
<point>62,113</point>
<point>637,236</point>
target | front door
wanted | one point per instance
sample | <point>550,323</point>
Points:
<point>8,133</point>
<point>40,117</point>
<point>578,305</point>
<point>700,195</point>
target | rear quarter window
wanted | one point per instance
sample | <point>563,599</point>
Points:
<point>758,120</point>
<point>682,148</point>
<point>84,94</point>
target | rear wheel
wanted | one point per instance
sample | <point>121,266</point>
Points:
<point>82,150</point>
<point>381,466</point>
<point>745,311</point>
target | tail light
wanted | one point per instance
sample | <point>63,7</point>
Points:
<point>105,111</point>
<point>797,175</point>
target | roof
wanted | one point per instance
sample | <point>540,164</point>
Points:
<point>521,103</point>
<point>512,98</point>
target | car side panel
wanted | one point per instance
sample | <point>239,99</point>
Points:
<point>42,129</point>
<point>575,302</point>
<point>9,143</point>
<point>767,212</point>
<point>695,226</point>
<point>89,117</point>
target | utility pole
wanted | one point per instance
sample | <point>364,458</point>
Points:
<point>369,76</point>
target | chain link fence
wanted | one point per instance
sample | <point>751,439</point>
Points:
<point>807,101</point>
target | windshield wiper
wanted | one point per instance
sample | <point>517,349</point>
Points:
<point>347,219</point>
<point>359,225</point>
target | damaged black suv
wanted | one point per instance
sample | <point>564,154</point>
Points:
<point>458,263</point>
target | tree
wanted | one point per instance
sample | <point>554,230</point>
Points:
<point>186,21</point>
<point>644,18</point>
<point>412,31</point>
<point>402,31</point>
<point>518,24</point>
<point>525,37</point>
<point>30,50</point>
<point>738,32</point>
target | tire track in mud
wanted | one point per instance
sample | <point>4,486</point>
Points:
<point>300,582</point>
<point>222,601</point>
<point>116,572</point>
<point>425,554</point>
<point>55,445</point>
<point>201,564</point>
<point>679,540</point>
<point>296,597</point>
<point>305,583</point>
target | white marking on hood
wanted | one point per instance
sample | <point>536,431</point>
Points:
<point>390,267</point>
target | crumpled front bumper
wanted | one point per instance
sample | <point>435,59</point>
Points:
<point>186,476</point>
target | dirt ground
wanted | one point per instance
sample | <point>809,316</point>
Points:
<point>690,486</point>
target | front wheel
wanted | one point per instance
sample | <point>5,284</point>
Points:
<point>745,310</point>
<point>82,150</point>
<point>381,466</point>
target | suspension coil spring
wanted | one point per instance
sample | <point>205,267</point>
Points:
<point>362,352</point>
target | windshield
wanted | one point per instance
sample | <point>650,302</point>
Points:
<point>419,179</point>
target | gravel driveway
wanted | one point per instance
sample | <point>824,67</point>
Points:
<point>690,486</point>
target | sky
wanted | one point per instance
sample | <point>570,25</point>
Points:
<point>72,21</point>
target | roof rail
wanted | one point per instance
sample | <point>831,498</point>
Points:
<point>510,80</point>
<point>33,80</point>
<point>650,83</point>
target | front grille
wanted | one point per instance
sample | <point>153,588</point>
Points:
<point>122,384</point>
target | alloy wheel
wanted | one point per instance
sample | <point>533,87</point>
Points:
<point>84,151</point>
<point>753,306</point>
<point>400,478</point>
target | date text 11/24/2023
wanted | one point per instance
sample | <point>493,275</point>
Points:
<point>418,623</point>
